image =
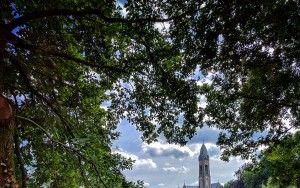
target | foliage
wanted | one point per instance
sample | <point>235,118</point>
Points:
<point>250,47</point>
<point>57,70</point>
<point>61,59</point>
<point>278,166</point>
<point>283,161</point>
<point>233,184</point>
<point>249,52</point>
<point>252,176</point>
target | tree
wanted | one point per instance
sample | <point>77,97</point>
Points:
<point>283,162</point>
<point>278,166</point>
<point>252,175</point>
<point>251,50</point>
<point>248,50</point>
<point>234,184</point>
<point>61,59</point>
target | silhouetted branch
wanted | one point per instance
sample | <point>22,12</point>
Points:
<point>272,101</point>
<point>20,161</point>
<point>81,13</point>
<point>20,43</point>
<point>39,95</point>
<point>73,150</point>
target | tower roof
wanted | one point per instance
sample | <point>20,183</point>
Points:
<point>203,153</point>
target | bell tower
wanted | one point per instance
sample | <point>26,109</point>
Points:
<point>204,169</point>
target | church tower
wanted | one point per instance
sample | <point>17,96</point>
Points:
<point>204,170</point>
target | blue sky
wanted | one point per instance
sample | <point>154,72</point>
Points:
<point>166,165</point>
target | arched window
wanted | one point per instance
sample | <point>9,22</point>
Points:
<point>206,169</point>
<point>200,169</point>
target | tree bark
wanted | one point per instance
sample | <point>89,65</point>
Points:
<point>7,131</point>
<point>7,170</point>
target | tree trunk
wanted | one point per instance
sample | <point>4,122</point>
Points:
<point>7,170</point>
<point>7,131</point>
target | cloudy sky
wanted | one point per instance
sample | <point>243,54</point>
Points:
<point>166,165</point>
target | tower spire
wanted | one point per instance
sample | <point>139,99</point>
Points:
<point>204,170</point>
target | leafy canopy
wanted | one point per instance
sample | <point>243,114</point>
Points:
<point>61,59</point>
<point>278,166</point>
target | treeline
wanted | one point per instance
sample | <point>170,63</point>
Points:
<point>278,167</point>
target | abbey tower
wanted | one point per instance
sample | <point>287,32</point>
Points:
<point>204,169</point>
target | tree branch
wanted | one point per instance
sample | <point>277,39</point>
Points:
<point>39,95</point>
<point>259,98</point>
<point>81,13</point>
<point>20,161</point>
<point>18,42</point>
<point>73,150</point>
<point>81,61</point>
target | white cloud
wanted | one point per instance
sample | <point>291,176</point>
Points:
<point>206,79</point>
<point>161,184</point>
<point>187,156</point>
<point>162,27</point>
<point>202,101</point>
<point>148,163</point>
<point>158,149</point>
<point>167,150</point>
<point>288,121</point>
<point>147,184</point>
<point>139,163</point>
<point>105,104</point>
<point>181,170</point>
<point>104,107</point>
<point>170,169</point>
<point>203,5</point>
<point>238,160</point>
<point>123,9</point>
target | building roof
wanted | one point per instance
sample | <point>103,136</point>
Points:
<point>203,153</point>
<point>213,185</point>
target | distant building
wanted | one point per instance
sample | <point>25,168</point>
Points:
<point>204,180</point>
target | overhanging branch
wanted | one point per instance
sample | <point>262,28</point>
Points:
<point>271,101</point>
<point>81,13</point>
<point>27,81</point>
<point>70,149</point>
<point>20,43</point>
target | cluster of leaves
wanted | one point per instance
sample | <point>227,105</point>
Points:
<point>279,166</point>
<point>57,69</point>
<point>283,161</point>
<point>61,59</point>
<point>251,50</point>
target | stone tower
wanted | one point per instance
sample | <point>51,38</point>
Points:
<point>204,170</point>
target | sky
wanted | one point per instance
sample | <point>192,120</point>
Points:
<point>168,165</point>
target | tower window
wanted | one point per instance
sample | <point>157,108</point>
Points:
<point>206,169</point>
<point>200,169</point>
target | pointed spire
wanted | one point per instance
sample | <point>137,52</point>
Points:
<point>203,153</point>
